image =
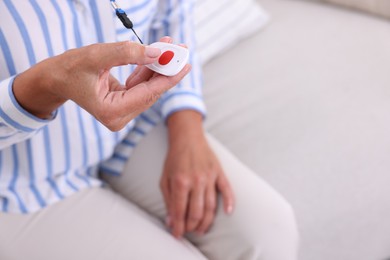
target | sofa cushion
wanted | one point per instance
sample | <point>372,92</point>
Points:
<point>221,24</point>
<point>306,105</point>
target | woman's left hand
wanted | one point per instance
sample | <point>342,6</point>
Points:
<point>192,177</point>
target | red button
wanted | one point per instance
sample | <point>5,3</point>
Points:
<point>166,57</point>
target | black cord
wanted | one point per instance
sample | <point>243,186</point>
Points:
<point>137,36</point>
<point>126,21</point>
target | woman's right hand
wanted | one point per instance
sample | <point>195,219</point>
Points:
<point>83,75</point>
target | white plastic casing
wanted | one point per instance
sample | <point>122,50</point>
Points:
<point>175,64</point>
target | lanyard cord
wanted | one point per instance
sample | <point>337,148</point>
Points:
<point>124,19</point>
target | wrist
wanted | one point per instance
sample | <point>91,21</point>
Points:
<point>33,91</point>
<point>185,126</point>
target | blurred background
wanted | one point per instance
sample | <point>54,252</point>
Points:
<point>300,92</point>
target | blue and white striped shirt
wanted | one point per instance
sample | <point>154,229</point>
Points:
<point>44,161</point>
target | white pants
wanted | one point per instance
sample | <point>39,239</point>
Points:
<point>127,223</point>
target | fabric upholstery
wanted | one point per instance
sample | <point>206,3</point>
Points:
<point>306,104</point>
<point>221,24</point>
<point>376,7</point>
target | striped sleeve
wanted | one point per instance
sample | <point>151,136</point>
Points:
<point>174,19</point>
<point>16,124</point>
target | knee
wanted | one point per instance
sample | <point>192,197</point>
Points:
<point>266,231</point>
<point>282,238</point>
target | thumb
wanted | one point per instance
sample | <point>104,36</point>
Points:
<point>108,55</point>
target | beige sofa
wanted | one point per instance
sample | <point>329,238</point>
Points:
<point>306,104</point>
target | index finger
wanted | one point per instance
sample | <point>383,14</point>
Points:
<point>119,107</point>
<point>179,202</point>
<point>145,94</point>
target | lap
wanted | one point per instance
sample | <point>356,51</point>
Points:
<point>96,223</point>
<point>99,223</point>
<point>261,214</point>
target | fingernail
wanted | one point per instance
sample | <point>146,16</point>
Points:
<point>152,52</point>
<point>187,68</point>
<point>168,221</point>
<point>167,38</point>
<point>229,210</point>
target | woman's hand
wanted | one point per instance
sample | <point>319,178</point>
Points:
<point>83,75</point>
<point>192,177</point>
